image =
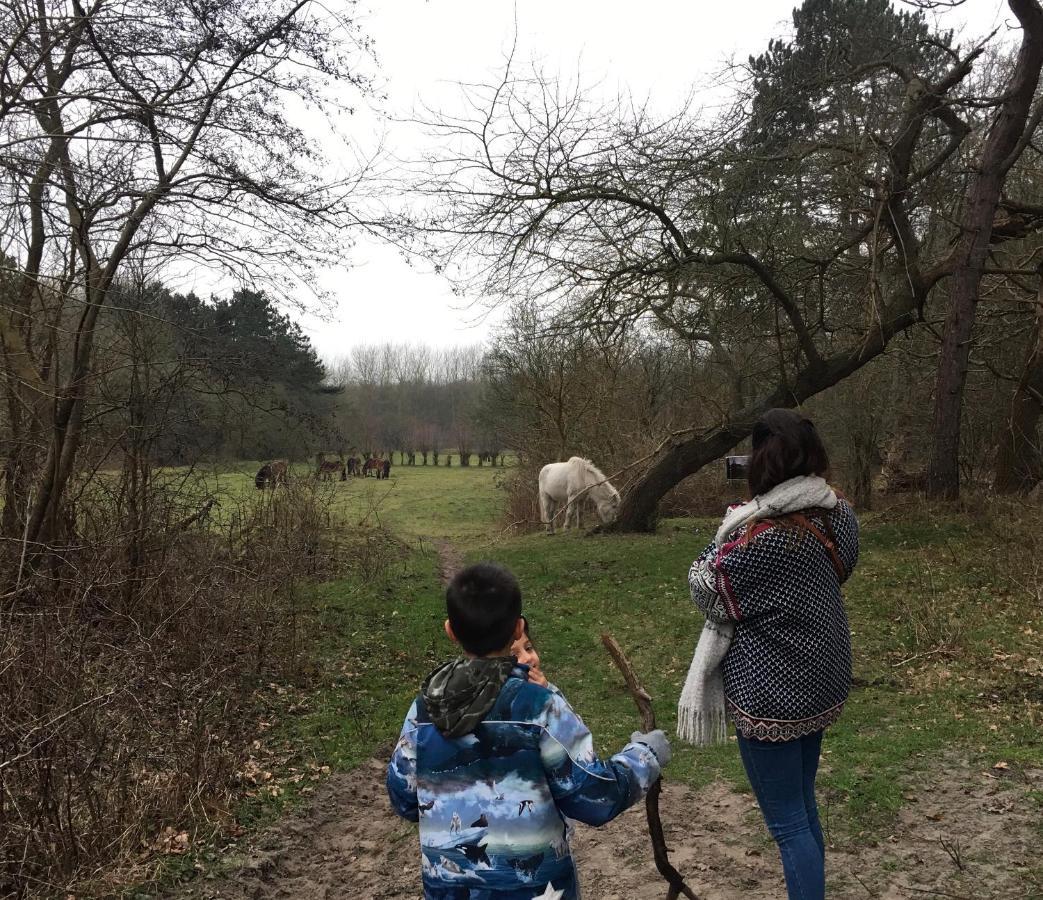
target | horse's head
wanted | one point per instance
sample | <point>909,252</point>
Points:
<point>607,502</point>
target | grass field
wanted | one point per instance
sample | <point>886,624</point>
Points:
<point>948,646</point>
<point>416,502</point>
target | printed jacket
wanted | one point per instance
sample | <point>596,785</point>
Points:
<point>788,670</point>
<point>492,803</point>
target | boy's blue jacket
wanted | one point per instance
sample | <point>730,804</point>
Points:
<point>492,804</point>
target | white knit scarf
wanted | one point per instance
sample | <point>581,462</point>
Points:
<point>701,715</point>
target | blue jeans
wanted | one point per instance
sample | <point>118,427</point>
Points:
<point>783,779</point>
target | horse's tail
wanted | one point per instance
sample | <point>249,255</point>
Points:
<point>261,476</point>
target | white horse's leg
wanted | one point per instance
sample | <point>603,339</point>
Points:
<point>547,511</point>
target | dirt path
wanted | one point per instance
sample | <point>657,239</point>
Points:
<point>450,559</point>
<point>348,844</point>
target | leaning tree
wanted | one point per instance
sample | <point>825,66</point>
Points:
<point>838,200</point>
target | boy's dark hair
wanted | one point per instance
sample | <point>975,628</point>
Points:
<point>484,604</point>
<point>785,445</point>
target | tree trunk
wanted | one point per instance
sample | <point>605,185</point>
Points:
<point>1002,147</point>
<point>638,510</point>
<point>1019,462</point>
<point>862,447</point>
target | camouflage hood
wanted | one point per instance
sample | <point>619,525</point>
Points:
<point>458,694</point>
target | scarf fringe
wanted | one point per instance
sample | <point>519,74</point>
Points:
<point>702,728</point>
<point>701,716</point>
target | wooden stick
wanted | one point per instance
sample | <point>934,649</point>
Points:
<point>655,824</point>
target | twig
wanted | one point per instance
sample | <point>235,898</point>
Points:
<point>864,885</point>
<point>25,543</point>
<point>909,887</point>
<point>655,824</point>
<point>200,513</point>
<point>920,656</point>
<point>954,851</point>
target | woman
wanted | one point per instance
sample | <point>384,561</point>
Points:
<point>775,650</point>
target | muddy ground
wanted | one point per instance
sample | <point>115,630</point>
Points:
<point>971,834</point>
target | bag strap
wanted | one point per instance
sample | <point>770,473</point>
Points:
<point>806,523</point>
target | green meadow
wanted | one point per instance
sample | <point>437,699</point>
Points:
<point>947,648</point>
<point>416,503</point>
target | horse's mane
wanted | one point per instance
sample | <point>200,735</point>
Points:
<point>591,468</point>
<point>599,482</point>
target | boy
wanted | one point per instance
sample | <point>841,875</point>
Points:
<point>524,651</point>
<point>490,763</point>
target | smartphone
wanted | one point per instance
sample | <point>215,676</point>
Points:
<point>736,467</point>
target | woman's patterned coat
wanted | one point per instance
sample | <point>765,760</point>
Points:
<point>788,670</point>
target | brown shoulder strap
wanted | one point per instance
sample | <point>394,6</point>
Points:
<point>806,523</point>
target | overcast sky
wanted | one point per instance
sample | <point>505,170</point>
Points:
<point>650,48</point>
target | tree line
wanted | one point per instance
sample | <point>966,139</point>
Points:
<point>872,185</point>
<point>426,403</point>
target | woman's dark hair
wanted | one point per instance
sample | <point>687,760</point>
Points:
<point>785,445</point>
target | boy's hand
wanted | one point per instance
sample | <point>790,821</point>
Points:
<point>656,742</point>
<point>536,676</point>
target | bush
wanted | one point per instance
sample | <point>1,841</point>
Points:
<point>128,662</point>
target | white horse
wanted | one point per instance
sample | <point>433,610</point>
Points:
<point>568,484</point>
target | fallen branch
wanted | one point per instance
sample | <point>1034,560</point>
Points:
<point>200,513</point>
<point>655,824</point>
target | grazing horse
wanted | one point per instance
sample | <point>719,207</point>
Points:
<point>373,464</point>
<point>330,467</point>
<point>271,473</point>
<point>568,484</point>
<point>353,466</point>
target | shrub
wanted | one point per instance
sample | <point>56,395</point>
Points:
<point>128,662</point>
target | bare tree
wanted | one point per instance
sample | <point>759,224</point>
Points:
<point>791,240</point>
<point>129,126</point>
<point>1009,134</point>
